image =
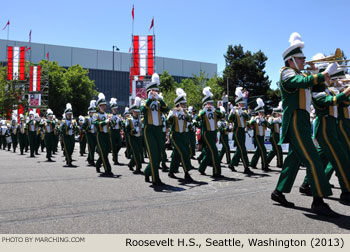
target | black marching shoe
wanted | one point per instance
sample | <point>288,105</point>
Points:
<point>158,183</point>
<point>188,177</point>
<point>171,175</point>
<point>232,168</point>
<point>98,169</point>
<point>345,198</point>
<point>147,179</point>
<point>130,168</point>
<point>108,174</point>
<point>324,210</point>
<point>50,160</point>
<point>305,189</point>
<point>217,176</point>
<point>279,197</point>
<point>248,171</point>
<point>137,171</point>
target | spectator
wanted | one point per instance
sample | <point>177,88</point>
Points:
<point>224,100</point>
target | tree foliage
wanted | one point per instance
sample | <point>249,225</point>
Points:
<point>246,69</point>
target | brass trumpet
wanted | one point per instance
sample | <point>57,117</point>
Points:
<point>338,56</point>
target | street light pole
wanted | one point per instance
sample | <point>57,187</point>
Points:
<point>117,49</point>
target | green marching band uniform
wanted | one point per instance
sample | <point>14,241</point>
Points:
<point>22,134</point>
<point>239,118</point>
<point>68,128</point>
<point>125,117</point>
<point>114,133</point>
<point>330,148</point>
<point>177,120</point>
<point>208,119</point>
<point>38,133</point>
<point>32,128</point>
<point>296,130</point>
<point>49,134</point>
<point>259,124</point>
<point>274,123</point>
<point>90,128</point>
<point>14,133</point>
<point>224,129</point>
<point>134,137</point>
<point>163,152</point>
<point>82,135</point>
<point>102,124</point>
<point>192,131</point>
<point>343,125</point>
<point>3,130</point>
<point>152,111</point>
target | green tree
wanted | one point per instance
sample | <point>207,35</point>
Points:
<point>82,88</point>
<point>167,82</point>
<point>246,69</point>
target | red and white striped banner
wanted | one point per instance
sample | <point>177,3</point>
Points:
<point>16,63</point>
<point>35,73</point>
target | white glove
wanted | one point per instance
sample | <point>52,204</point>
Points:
<point>331,68</point>
<point>149,95</point>
<point>156,96</point>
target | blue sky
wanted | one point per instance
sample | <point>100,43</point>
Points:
<point>192,29</point>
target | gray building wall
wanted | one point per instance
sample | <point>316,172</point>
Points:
<point>99,63</point>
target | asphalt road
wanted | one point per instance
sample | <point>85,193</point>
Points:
<point>45,198</point>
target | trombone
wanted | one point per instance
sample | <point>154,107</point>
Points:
<point>337,57</point>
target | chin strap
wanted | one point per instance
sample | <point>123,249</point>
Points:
<point>295,64</point>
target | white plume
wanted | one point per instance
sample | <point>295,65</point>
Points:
<point>68,106</point>
<point>14,118</point>
<point>113,101</point>
<point>260,102</point>
<point>238,92</point>
<point>137,101</point>
<point>180,92</point>
<point>21,116</point>
<point>155,78</point>
<point>101,96</point>
<point>81,119</point>
<point>207,92</point>
<point>93,103</point>
<point>222,109</point>
<point>126,110</point>
<point>49,111</point>
<point>280,105</point>
<point>190,109</point>
<point>160,95</point>
<point>295,39</point>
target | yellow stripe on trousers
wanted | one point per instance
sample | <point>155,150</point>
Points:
<point>65,149</point>
<point>313,171</point>
<point>335,155</point>
<point>179,150</point>
<point>261,150</point>
<point>227,150</point>
<point>212,153</point>
<point>344,133</point>
<point>135,159</point>
<point>149,154</point>
<point>240,148</point>
<point>277,152</point>
<point>101,153</point>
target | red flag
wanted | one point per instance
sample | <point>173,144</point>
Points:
<point>47,56</point>
<point>8,23</point>
<point>152,24</point>
<point>28,49</point>
<point>132,13</point>
<point>30,36</point>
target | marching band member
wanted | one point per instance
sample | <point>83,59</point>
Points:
<point>208,118</point>
<point>223,127</point>
<point>239,118</point>
<point>152,111</point>
<point>192,131</point>
<point>116,125</point>
<point>102,124</point>
<point>22,133</point>
<point>330,147</point>
<point>296,101</point>
<point>90,128</point>
<point>14,133</point>
<point>82,135</point>
<point>274,123</point>
<point>259,125</point>
<point>178,119</point>
<point>32,128</point>
<point>134,136</point>
<point>67,129</point>
<point>49,135</point>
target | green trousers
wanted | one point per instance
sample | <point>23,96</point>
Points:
<point>14,139</point>
<point>302,150</point>
<point>103,145</point>
<point>82,144</point>
<point>225,148</point>
<point>192,137</point>
<point>116,143</point>
<point>92,144</point>
<point>276,150</point>
<point>50,144</point>
<point>343,128</point>
<point>154,144</point>
<point>22,141</point>
<point>211,153</point>
<point>136,151</point>
<point>241,151</point>
<point>68,146</point>
<point>259,152</point>
<point>332,150</point>
<point>37,143</point>
<point>181,152</point>
<point>32,142</point>
<point>163,153</point>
